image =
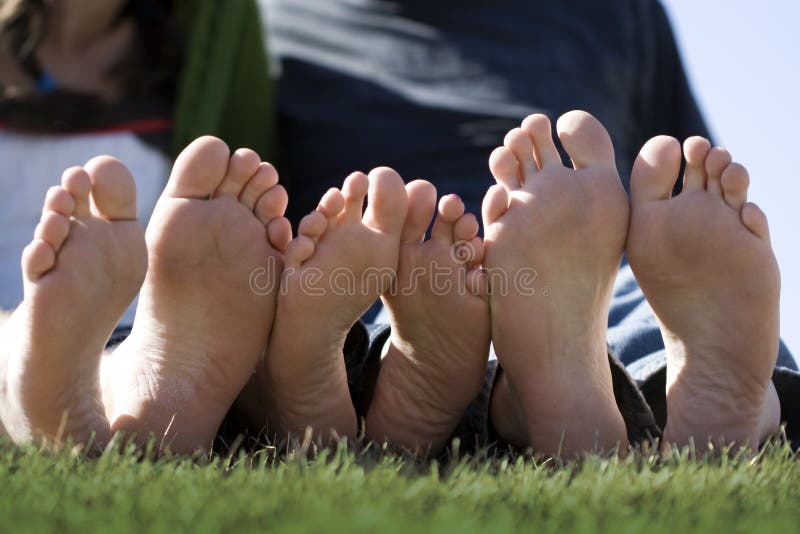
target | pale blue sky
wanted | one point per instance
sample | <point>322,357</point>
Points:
<point>742,58</point>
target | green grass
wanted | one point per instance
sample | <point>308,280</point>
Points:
<point>343,491</point>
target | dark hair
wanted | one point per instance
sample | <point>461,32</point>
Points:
<point>22,24</point>
<point>149,71</point>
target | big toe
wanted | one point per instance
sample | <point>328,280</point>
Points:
<point>199,169</point>
<point>421,205</point>
<point>113,188</point>
<point>586,140</point>
<point>387,201</point>
<point>656,169</point>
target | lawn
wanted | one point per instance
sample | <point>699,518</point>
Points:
<point>365,491</point>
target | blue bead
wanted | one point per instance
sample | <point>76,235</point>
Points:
<point>46,83</point>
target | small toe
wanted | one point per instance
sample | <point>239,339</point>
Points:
<point>466,228</point>
<point>298,250</point>
<point>467,253</point>
<point>421,206</point>
<point>77,181</point>
<point>695,150</point>
<point>540,130</point>
<point>586,140</point>
<point>478,283</point>
<point>716,161</point>
<point>113,189</point>
<point>272,204</point>
<point>332,203</point>
<point>242,166</point>
<point>313,225</point>
<point>451,208</point>
<point>279,233</point>
<point>475,252</point>
<point>388,205</point>
<point>265,177</point>
<point>354,191</point>
<point>504,167</point>
<point>519,143</point>
<point>59,200</point>
<point>656,169</point>
<point>755,220</point>
<point>53,228</point>
<point>495,204</point>
<point>37,259</point>
<point>735,181</point>
<point>199,169</point>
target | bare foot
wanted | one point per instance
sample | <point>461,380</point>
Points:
<point>207,304</point>
<point>336,268</point>
<point>439,312</point>
<point>705,264</point>
<point>82,270</point>
<point>554,241</point>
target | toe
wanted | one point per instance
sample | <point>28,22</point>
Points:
<point>242,166</point>
<point>199,169</point>
<point>495,204</point>
<point>279,233</point>
<point>421,206</point>
<point>478,283</point>
<point>113,188</point>
<point>265,177</point>
<point>467,253</point>
<point>716,161</point>
<point>695,150</point>
<point>37,259</point>
<point>354,190</point>
<point>79,184</point>
<point>272,204</point>
<point>474,253</point>
<point>59,200</point>
<point>387,204</point>
<point>451,208</point>
<point>519,143</point>
<point>332,203</point>
<point>299,250</point>
<point>313,225</point>
<point>53,229</point>
<point>586,140</point>
<point>656,169</point>
<point>466,228</point>
<point>755,220</point>
<point>541,132</point>
<point>735,180</point>
<point>505,168</point>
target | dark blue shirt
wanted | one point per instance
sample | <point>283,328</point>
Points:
<point>431,87</point>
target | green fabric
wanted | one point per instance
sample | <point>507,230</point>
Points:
<point>225,89</point>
